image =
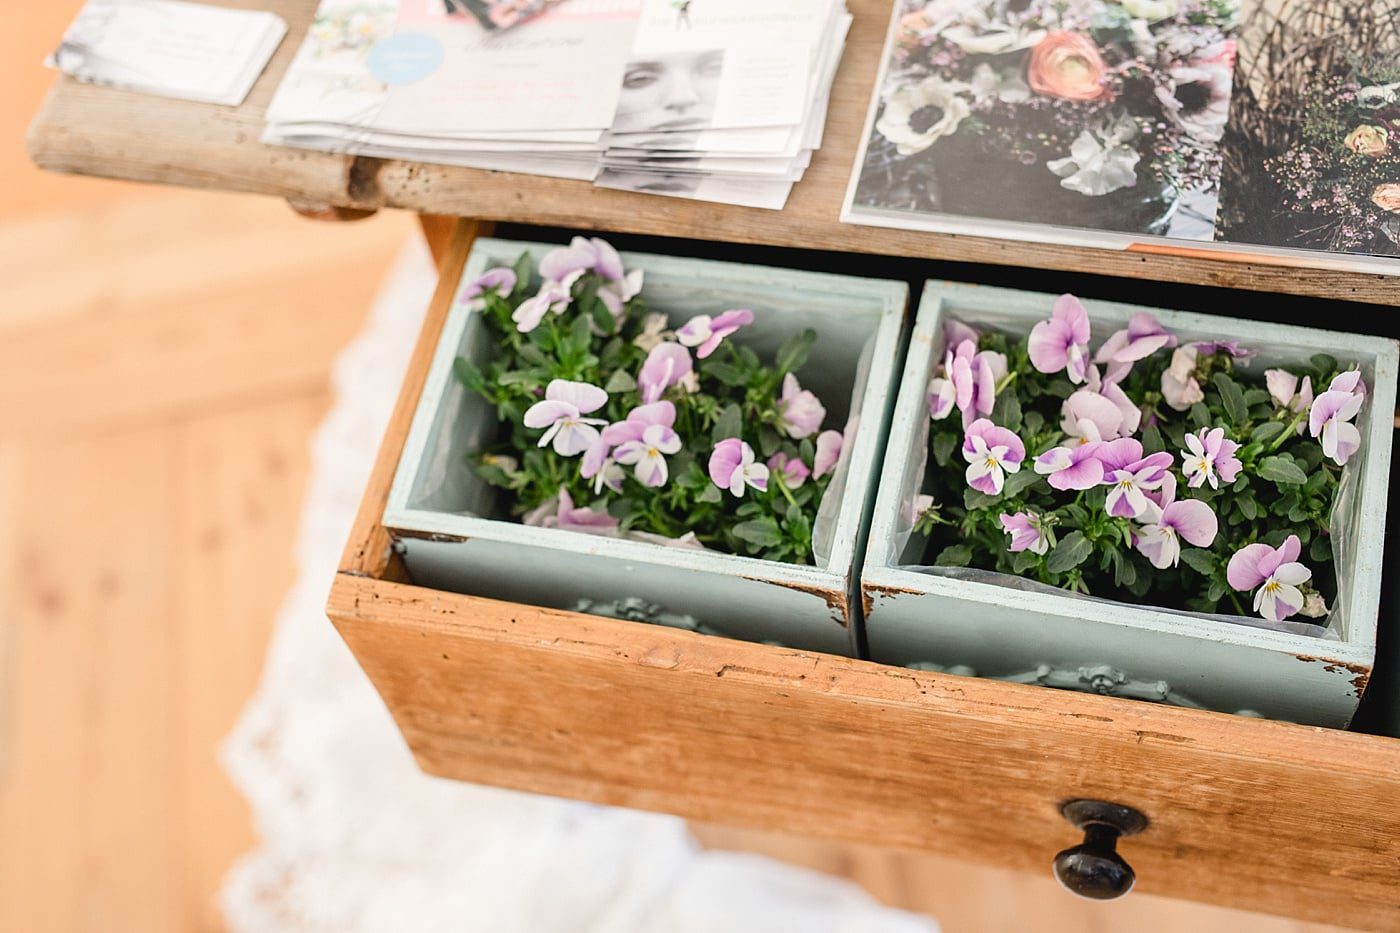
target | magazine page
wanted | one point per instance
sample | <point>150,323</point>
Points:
<point>1253,126</point>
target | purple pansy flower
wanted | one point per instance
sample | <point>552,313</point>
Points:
<point>1231,347</point>
<point>1129,484</point>
<point>1028,532</point>
<point>642,441</point>
<point>974,376</point>
<point>801,412</point>
<point>648,454</point>
<point>561,513</point>
<point>1284,390</point>
<point>1180,389</point>
<point>499,280</point>
<point>666,365</point>
<point>565,403</point>
<point>1076,467</point>
<point>1331,414</point>
<point>732,467</point>
<point>991,452</point>
<point>551,298</point>
<point>1210,459</point>
<point>1143,337</point>
<point>705,333</point>
<point>1090,415</point>
<point>791,470</point>
<point>1172,522</point>
<point>1062,343</point>
<point>582,255</point>
<point>828,455</point>
<point>1276,574</point>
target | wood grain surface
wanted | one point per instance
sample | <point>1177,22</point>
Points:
<point>101,131</point>
<point>1244,813</point>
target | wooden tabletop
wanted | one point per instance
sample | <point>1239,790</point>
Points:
<point>100,131</point>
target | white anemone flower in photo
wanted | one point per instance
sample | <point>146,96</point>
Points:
<point>989,84</point>
<point>918,115</point>
<point>1100,159</point>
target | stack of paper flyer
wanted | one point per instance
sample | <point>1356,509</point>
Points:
<point>724,100</point>
<point>720,100</point>
<point>418,79</point>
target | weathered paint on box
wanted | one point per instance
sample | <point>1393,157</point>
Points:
<point>437,502</point>
<point>915,618</point>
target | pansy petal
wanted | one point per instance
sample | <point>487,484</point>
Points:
<point>1292,574</point>
<point>1243,570</point>
<point>542,414</point>
<point>1194,520</point>
<point>581,395</point>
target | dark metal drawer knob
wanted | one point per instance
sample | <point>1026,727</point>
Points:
<point>1094,868</point>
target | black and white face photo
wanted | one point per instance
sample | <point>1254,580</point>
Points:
<point>672,183</point>
<point>674,92</point>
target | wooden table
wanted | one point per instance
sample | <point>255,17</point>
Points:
<point>1260,815</point>
<point>100,131</point>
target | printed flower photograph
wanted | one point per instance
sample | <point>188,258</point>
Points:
<point>1101,114</point>
<point>615,419</point>
<point>1140,467</point>
<point>1312,151</point>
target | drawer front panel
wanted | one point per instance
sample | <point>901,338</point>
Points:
<point>1258,815</point>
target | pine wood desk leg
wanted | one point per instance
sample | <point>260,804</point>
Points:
<point>437,230</point>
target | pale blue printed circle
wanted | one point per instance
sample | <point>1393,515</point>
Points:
<point>404,58</point>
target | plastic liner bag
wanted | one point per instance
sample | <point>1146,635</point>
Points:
<point>824,526</point>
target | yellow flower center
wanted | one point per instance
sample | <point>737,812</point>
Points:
<point>1272,586</point>
<point>991,462</point>
<point>653,452</point>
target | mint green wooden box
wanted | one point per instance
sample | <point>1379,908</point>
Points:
<point>995,630</point>
<point>447,521</point>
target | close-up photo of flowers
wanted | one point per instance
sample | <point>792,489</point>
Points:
<point>1098,114</point>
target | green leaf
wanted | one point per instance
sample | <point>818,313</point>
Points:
<point>793,353</point>
<point>1200,415</point>
<point>1323,363</point>
<point>1017,482</point>
<point>1233,397</point>
<point>730,424</point>
<point>1249,507</point>
<point>1152,441</point>
<point>1281,469</point>
<point>602,317</point>
<point>943,448</point>
<point>1033,421</point>
<point>1321,549</point>
<point>763,532</point>
<point>973,499</point>
<point>1201,561</point>
<point>467,374</point>
<point>726,373</point>
<point>620,381</point>
<point>1072,551</point>
<point>1266,432</point>
<point>1124,573</point>
<point>959,555</point>
<point>524,269</point>
<point>768,441</point>
<point>1007,411</point>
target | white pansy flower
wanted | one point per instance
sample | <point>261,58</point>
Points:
<point>1100,160</point>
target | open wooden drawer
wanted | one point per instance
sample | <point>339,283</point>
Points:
<point>1259,815</point>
